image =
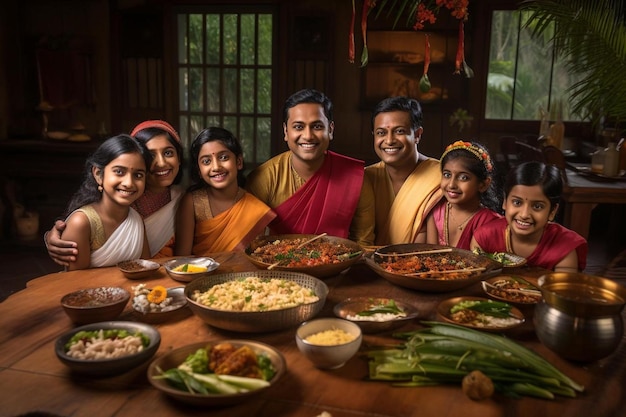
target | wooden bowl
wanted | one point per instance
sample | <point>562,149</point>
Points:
<point>92,305</point>
<point>319,271</point>
<point>138,268</point>
<point>443,313</point>
<point>434,282</point>
<point>177,356</point>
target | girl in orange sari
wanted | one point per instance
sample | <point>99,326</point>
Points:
<point>216,214</point>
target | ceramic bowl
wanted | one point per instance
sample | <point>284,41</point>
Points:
<point>103,367</point>
<point>175,310</point>
<point>138,268</point>
<point>349,309</point>
<point>209,263</point>
<point>92,305</point>
<point>256,321</point>
<point>177,356</point>
<point>352,251</point>
<point>328,356</point>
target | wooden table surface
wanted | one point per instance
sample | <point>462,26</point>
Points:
<point>582,194</point>
<point>32,379</point>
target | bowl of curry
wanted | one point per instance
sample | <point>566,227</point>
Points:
<point>320,257</point>
<point>431,268</point>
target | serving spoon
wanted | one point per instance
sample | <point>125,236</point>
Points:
<point>300,246</point>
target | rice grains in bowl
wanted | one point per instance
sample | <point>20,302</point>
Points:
<point>329,342</point>
<point>269,315</point>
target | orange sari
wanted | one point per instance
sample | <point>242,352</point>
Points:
<point>233,229</point>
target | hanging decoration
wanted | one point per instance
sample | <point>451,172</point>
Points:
<point>419,13</point>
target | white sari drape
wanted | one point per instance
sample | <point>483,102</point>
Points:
<point>160,224</point>
<point>125,243</point>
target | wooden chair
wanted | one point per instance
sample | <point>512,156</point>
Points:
<point>554,156</point>
<point>527,152</point>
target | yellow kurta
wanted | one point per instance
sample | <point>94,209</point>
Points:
<point>275,181</point>
<point>400,217</point>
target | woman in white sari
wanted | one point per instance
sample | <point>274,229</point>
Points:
<point>157,206</point>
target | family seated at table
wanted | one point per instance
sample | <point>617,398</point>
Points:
<point>406,197</point>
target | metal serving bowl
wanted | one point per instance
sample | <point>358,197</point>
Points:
<point>254,321</point>
<point>432,284</point>
<point>210,264</point>
<point>319,271</point>
<point>580,318</point>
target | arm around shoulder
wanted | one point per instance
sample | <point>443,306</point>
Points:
<point>60,251</point>
<point>78,229</point>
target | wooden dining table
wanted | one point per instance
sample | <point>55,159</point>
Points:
<point>34,382</point>
<point>582,193</point>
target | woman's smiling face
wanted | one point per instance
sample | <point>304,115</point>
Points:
<point>528,210</point>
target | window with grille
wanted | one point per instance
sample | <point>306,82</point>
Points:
<point>224,71</point>
<point>524,73</point>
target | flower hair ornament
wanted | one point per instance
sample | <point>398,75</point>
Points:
<point>475,150</point>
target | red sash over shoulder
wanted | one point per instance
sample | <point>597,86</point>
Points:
<point>326,202</point>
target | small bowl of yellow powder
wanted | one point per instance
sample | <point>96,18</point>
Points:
<point>329,342</point>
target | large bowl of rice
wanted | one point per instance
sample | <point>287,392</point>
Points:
<point>256,301</point>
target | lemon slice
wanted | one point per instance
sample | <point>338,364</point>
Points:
<point>190,268</point>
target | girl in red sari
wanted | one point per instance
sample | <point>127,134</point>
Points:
<point>533,190</point>
<point>470,196</point>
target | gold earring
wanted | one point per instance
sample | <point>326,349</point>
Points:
<point>100,188</point>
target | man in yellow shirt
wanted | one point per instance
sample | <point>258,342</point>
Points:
<point>312,189</point>
<point>405,182</point>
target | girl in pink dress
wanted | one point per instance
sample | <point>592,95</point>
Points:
<point>470,196</point>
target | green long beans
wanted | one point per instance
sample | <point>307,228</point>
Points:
<point>444,353</point>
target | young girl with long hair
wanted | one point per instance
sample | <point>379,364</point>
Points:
<point>216,214</point>
<point>157,206</point>
<point>470,197</point>
<point>532,194</point>
<point>99,217</point>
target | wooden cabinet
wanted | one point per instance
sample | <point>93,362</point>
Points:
<point>396,64</point>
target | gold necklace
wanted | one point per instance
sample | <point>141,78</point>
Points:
<point>446,226</point>
<point>507,239</point>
